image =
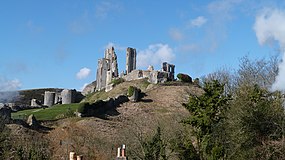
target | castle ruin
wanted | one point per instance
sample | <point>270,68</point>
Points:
<point>131,60</point>
<point>107,70</point>
<point>66,96</point>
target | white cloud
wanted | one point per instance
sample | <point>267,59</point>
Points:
<point>109,45</point>
<point>9,85</point>
<point>155,54</point>
<point>176,34</point>
<point>104,8</point>
<point>270,27</point>
<point>116,46</point>
<point>223,7</point>
<point>198,22</point>
<point>83,73</point>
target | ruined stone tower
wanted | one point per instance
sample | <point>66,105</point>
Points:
<point>49,98</point>
<point>131,60</point>
<point>169,68</point>
<point>68,96</point>
<point>107,69</point>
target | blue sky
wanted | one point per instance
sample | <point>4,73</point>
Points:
<point>47,43</point>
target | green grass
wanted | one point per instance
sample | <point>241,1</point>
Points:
<point>51,113</point>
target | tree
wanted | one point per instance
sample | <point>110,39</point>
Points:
<point>154,148</point>
<point>259,71</point>
<point>4,139</point>
<point>255,124</point>
<point>206,112</point>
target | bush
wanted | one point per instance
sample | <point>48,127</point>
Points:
<point>82,107</point>
<point>92,109</point>
<point>131,91</point>
<point>117,81</point>
<point>184,78</point>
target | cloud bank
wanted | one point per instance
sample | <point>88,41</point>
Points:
<point>270,27</point>
<point>9,85</point>
<point>154,55</point>
<point>8,90</point>
<point>83,73</point>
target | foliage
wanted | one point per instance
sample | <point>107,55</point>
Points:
<point>206,112</point>
<point>4,138</point>
<point>117,81</point>
<point>82,107</point>
<point>154,149</point>
<point>145,83</point>
<point>93,109</point>
<point>184,78</point>
<point>223,76</point>
<point>183,147</point>
<point>256,124</point>
<point>259,71</point>
<point>131,90</point>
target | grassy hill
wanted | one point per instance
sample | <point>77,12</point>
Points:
<point>132,122</point>
<point>52,113</point>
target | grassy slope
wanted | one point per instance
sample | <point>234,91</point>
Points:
<point>119,89</point>
<point>51,113</point>
<point>162,105</point>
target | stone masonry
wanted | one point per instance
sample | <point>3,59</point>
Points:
<point>107,69</point>
<point>131,60</point>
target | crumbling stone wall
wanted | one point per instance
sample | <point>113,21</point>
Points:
<point>136,74</point>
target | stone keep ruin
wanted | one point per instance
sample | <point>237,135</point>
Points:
<point>107,70</point>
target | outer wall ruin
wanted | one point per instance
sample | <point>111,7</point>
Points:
<point>66,96</point>
<point>49,98</point>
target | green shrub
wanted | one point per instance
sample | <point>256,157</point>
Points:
<point>184,78</point>
<point>69,113</point>
<point>117,81</point>
<point>82,107</point>
<point>131,91</point>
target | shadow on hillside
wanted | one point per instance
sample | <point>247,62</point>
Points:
<point>37,126</point>
<point>107,108</point>
<point>103,109</point>
<point>143,99</point>
<point>146,100</point>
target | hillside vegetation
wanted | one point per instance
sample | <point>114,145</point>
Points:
<point>94,137</point>
<point>52,113</point>
<point>231,115</point>
<point>119,89</point>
